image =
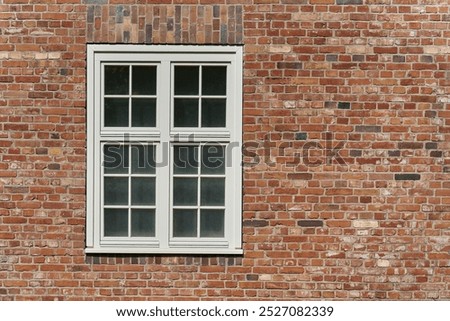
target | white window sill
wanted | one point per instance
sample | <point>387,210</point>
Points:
<point>137,250</point>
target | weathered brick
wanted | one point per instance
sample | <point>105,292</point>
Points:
<point>301,176</point>
<point>301,136</point>
<point>310,223</point>
<point>407,177</point>
<point>410,145</point>
<point>436,153</point>
<point>431,145</point>
<point>355,153</point>
<point>255,223</point>
<point>368,129</point>
<point>342,2</point>
<point>394,153</point>
<point>398,58</point>
<point>344,105</point>
<point>289,65</point>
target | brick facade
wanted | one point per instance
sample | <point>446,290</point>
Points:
<point>346,157</point>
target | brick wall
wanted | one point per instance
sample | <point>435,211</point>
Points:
<point>346,156</point>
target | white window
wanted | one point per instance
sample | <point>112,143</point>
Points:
<point>164,149</point>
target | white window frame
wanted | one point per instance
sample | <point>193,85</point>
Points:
<point>164,57</point>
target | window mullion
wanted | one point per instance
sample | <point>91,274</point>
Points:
<point>163,171</point>
<point>129,189</point>
<point>130,95</point>
<point>200,91</point>
<point>199,181</point>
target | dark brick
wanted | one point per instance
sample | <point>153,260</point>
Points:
<point>289,65</point>
<point>119,14</point>
<point>177,14</point>
<point>224,33</point>
<point>54,166</point>
<point>342,105</point>
<point>430,113</point>
<point>252,277</point>
<point>90,14</point>
<point>294,1</point>
<point>41,151</point>
<point>349,1</point>
<point>310,223</point>
<point>300,176</point>
<point>332,57</point>
<point>330,104</point>
<point>355,153</point>
<point>394,153</point>
<point>148,33</point>
<point>407,177</point>
<point>255,223</point>
<point>426,58</point>
<point>431,145</point>
<point>398,58</point>
<point>410,145</point>
<point>436,153</point>
<point>358,58</point>
<point>126,36</point>
<point>446,169</point>
<point>301,136</point>
<point>216,11</point>
<point>170,24</point>
<point>95,1</point>
<point>368,129</point>
<point>88,259</point>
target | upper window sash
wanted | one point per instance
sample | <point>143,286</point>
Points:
<point>152,56</point>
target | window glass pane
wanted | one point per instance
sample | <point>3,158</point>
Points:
<point>213,159</point>
<point>184,223</point>
<point>143,191</point>
<point>143,159</point>
<point>115,190</point>
<point>186,112</point>
<point>214,80</point>
<point>144,80</point>
<point>143,112</point>
<point>116,112</point>
<point>116,222</point>
<point>186,80</point>
<point>212,191</point>
<point>185,159</point>
<point>143,222</point>
<point>214,112</point>
<point>115,159</point>
<point>212,223</point>
<point>117,80</point>
<point>185,191</point>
